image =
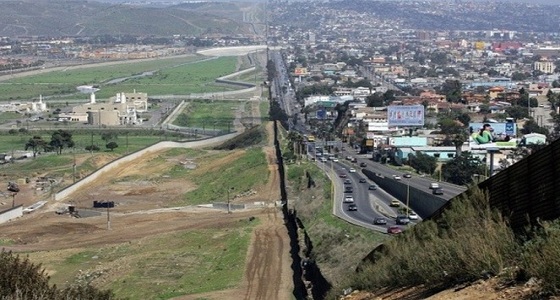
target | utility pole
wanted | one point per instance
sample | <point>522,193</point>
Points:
<point>228,203</point>
<point>108,217</point>
<point>74,168</point>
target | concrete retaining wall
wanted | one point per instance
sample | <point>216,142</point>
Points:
<point>11,213</point>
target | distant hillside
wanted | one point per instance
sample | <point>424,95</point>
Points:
<point>73,18</point>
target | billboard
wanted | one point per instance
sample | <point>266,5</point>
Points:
<point>300,71</point>
<point>503,136</point>
<point>508,128</point>
<point>405,115</point>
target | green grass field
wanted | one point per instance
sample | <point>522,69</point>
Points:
<point>183,76</point>
<point>208,114</point>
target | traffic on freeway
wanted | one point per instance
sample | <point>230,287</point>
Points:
<point>360,201</point>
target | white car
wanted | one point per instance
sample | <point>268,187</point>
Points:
<point>396,177</point>
<point>352,170</point>
<point>348,199</point>
<point>413,216</point>
<point>335,159</point>
<point>434,185</point>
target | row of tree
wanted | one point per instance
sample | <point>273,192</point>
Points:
<point>61,139</point>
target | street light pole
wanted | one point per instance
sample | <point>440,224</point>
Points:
<point>407,195</point>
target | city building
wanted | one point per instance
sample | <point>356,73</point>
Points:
<point>122,109</point>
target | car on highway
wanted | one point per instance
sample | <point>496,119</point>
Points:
<point>352,207</point>
<point>395,203</point>
<point>362,180</point>
<point>380,221</point>
<point>347,181</point>
<point>348,199</point>
<point>407,175</point>
<point>438,191</point>
<point>402,220</point>
<point>323,159</point>
<point>363,165</point>
<point>372,187</point>
<point>412,215</point>
<point>342,175</point>
<point>396,177</point>
<point>434,185</point>
<point>348,189</point>
<point>335,159</point>
<point>394,230</point>
<point>352,170</point>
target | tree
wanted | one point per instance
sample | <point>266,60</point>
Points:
<point>35,144</point>
<point>375,100</point>
<point>517,112</point>
<point>460,169</point>
<point>92,148</point>
<point>532,127</point>
<point>22,279</point>
<point>423,163</point>
<point>452,89</point>
<point>108,136</point>
<point>111,145</point>
<point>519,76</point>
<point>61,139</point>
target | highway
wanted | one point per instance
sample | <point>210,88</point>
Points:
<point>371,204</point>
<point>422,183</point>
<point>283,93</point>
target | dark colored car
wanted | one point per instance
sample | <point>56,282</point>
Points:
<point>342,175</point>
<point>438,191</point>
<point>394,230</point>
<point>372,187</point>
<point>402,220</point>
<point>407,175</point>
<point>347,181</point>
<point>363,165</point>
<point>362,180</point>
<point>348,189</point>
<point>380,221</point>
<point>352,207</point>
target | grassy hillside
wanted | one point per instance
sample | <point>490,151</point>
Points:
<point>94,18</point>
<point>471,241</point>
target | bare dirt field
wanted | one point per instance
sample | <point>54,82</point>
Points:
<point>144,209</point>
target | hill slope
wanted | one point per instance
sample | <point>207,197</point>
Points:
<point>59,18</point>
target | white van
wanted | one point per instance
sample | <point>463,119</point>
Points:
<point>434,185</point>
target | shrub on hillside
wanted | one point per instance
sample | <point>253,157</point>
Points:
<point>20,279</point>
<point>251,137</point>
<point>541,257</point>
<point>469,242</point>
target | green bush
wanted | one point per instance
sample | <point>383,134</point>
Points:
<point>541,257</point>
<point>20,279</point>
<point>470,241</point>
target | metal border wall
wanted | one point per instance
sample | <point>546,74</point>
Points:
<point>528,191</point>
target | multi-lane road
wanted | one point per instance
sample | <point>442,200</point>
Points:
<point>371,204</point>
